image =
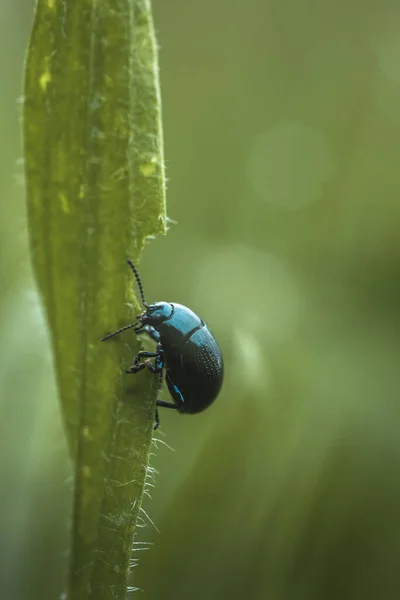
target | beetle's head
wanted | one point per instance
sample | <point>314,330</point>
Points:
<point>156,313</point>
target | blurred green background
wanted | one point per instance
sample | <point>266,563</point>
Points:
<point>282,129</point>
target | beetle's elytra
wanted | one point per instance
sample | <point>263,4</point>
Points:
<point>186,352</point>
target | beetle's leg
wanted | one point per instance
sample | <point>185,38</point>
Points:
<point>150,331</point>
<point>155,368</point>
<point>176,394</point>
<point>144,354</point>
<point>135,368</point>
<point>174,391</point>
<point>167,404</point>
<point>175,405</point>
<point>136,365</point>
<point>157,420</point>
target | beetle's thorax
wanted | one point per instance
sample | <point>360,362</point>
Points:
<point>157,313</point>
<point>179,325</point>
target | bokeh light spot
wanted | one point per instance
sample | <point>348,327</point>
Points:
<point>254,290</point>
<point>389,60</point>
<point>251,366</point>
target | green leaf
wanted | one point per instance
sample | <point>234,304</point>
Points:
<point>95,191</point>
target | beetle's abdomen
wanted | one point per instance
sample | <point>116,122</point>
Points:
<point>206,356</point>
<point>202,371</point>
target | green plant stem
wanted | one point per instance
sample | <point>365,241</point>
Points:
<point>95,191</point>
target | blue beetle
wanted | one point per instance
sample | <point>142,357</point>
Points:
<point>186,350</point>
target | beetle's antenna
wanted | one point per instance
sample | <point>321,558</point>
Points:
<point>139,281</point>
<point>110,335</point>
